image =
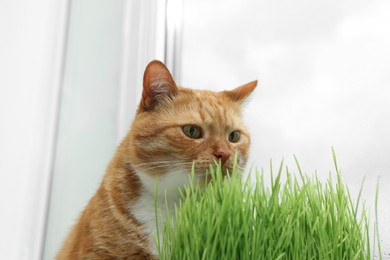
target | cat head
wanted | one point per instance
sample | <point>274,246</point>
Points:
<point>175,126</point>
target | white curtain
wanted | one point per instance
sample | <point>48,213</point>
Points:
<point>32,41</point>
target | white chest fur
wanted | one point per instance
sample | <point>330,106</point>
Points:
<point>168,190</point>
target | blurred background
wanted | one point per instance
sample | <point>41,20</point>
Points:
<point>71,78</point>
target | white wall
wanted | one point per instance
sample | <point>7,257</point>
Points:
<point>31,47</point>
<point>323,70</point>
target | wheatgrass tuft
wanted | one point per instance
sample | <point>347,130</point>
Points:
<point>301,218</point>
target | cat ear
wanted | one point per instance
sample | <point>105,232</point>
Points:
<point>241,93</point>
<point>158,85</point>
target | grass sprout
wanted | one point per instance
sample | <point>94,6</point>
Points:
<point>235,218</point>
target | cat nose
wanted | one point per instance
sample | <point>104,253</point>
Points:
<point>224,156</point>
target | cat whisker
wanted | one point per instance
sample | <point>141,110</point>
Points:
<point>171,166</point>
<point>156,162</point>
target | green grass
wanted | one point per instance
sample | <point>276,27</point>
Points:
<point>299,218</point>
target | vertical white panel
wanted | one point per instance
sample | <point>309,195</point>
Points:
<point>110,43</point>
<point>143,40</point>
<point>31,48</point>
<point>174,21</point>
<point>88,125</point>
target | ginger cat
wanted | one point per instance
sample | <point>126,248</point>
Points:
<point>173,127</point>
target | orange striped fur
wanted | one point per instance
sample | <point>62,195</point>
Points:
<point>118,221</point>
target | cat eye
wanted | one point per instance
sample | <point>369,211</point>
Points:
<point>234,136</point>
<point>192,131</point>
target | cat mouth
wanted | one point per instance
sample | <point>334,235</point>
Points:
<point>225,171</point>
<point>206,177</point>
